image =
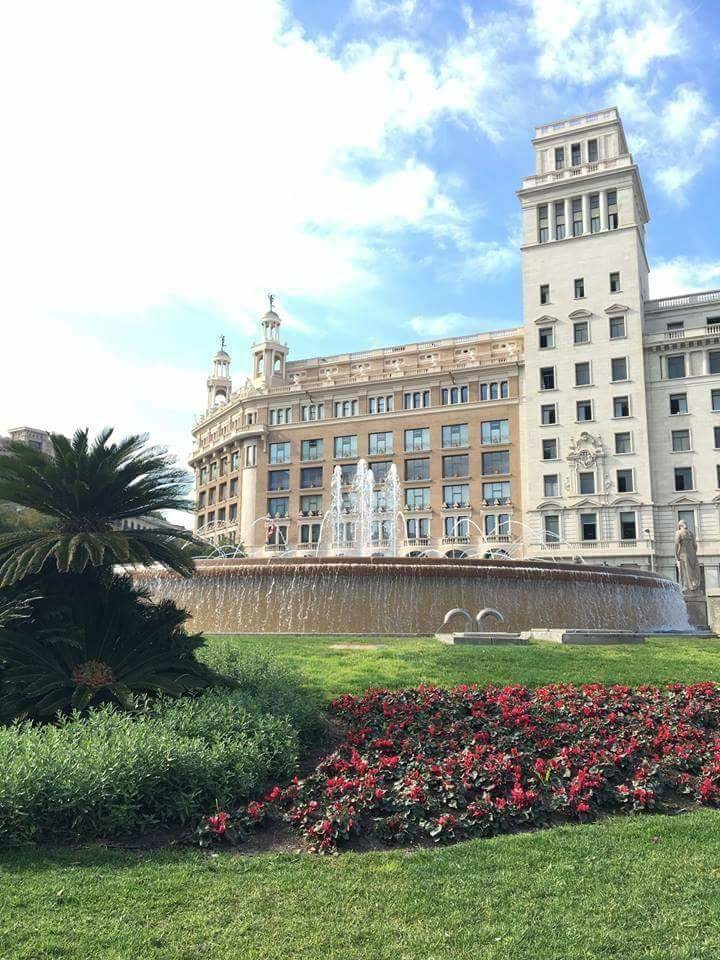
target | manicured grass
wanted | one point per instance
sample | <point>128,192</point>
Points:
<point>403,662</point>
<point>628,889</point>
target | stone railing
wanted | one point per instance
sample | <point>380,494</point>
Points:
<point>690,333</point>
<point>568,173</point>
<point>684,300</point>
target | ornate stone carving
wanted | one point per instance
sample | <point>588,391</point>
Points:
<point>686,556</point>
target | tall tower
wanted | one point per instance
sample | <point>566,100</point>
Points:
<point>269,354</point>
<point>587,483</point>
<point>219,383</point>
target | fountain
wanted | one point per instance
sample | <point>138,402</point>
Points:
<point>363,521</point>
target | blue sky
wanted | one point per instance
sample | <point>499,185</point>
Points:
<point>170,162</point>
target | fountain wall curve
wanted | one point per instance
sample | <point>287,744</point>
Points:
<point>400,595</point>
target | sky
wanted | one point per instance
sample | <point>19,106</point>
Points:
<point>166,163</point>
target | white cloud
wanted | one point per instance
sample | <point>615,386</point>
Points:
<point>442,325</point>
<point>669,278</point>
<point>380,9</point>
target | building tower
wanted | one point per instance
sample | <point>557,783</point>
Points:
<point>219,384</point>
<point>269,355</point>
<point>587,481</point>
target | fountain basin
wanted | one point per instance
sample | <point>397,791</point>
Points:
<point>409,596</point>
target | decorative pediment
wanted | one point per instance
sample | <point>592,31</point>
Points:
<point>627,502</point>
<point>546,320</point>
<point>550,505</point>
<point>579,315</point>
<point>587,502</point>
<point>617,308</point>
<point>684,499</point>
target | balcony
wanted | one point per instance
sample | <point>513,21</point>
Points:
<point>455,541</point>
<point>710,330</point>
<point>685,300</point>
<point>583,169</point>
<point>594,547</point>
<point>276,547</point>
<point>417,542</point>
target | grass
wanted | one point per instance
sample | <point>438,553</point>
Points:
<point>631,888</point>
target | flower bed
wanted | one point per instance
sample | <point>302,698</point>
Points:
<point>467,762</point>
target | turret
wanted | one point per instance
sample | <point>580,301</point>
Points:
<point>269,355</point>
<point>219,383</point>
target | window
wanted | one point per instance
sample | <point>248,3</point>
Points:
<point>221,515</point>
<point>623,443</point>
<point>592,151</point>
<point>543,224</point>
<point>346,408</point>
<point>577,217</point>
<point>280,415</point>
<point>345,447</point>
<point>683,478</point>
<point>416,440</point>
<point>278,480</point>
<point>559,158</point>
<point>213,472</point>
<point>456,495</point>
<point>715,400</point>
<point>456,528</point>
<point>560,220</point>
<point>235,460</point>
<point>348,472</point>
<point>582,374</point>
<point>309,532</point>
<point>280,452</point>
<point>418,528</point>
<point>496,462</point>
<point>311,504</point>
<point>680,440</point>
<point>628,526</point>
<point>457,465</point>
<point>202,480</point>
<point>625,481</point>
<point>579,288</point>
<point>380,443</point>
<point>492,391</point>
<point>380,470</point>
<point>594,213</point>
<point>689,517</point>
<point>313,411</point>
<point>675,326</point>
<point>717,475</point>
<point>544,293</point>
<point>211,496</point>
<point>232,515</point>
<point>233,487</point>
<point>617,327</point>
<point>497,524</point>
<point>621,407</point>
<point>584,410</point>
<point>416,400</point>
<point>201,501</point>
<point>714,361</point>
<point>497,490</point>
<point>546,338</point>
<point>495,431</point>
<point>454,395</point>
<point>581,331</point>
<point>551,528</point>
<point>455,435</point>
<point>678,404</point>
<point>614,283</point>
<point>417,469</point>
<point>612,210</point>
<point>575,155</point>
<point>417,498</point>
<point>312,450</point>
<point>278,506</point>
<point>675,366</point>
<point>588,526</point>
<point>547,378</point>
<point>381,404</point>
<point>311,477</point>
<point>251,455</point>
<point>586,482</point>
<point>550,449</point>
<point>223,466</point>
<point>551,485</point>
<point>618,369</point>
<point>548,414</point>
<point>716,437</point>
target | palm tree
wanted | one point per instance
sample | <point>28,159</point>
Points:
<point>86,489</point>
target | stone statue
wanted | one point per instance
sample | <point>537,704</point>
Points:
<point>686,556</point>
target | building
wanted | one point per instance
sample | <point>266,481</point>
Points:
<point>38,439</point>
<point>613,398</point>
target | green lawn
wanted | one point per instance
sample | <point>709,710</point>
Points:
<point>633,887</point>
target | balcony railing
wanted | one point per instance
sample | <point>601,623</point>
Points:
<point>568,173</point>
<point>592,546</point>
<point>691,333</point>
<point>684,300</point>
<point>450,541</point>
<point>417,542</point>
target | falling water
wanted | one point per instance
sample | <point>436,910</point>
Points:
<point>363,521</point>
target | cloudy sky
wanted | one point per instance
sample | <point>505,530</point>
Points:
<point>167,162</point>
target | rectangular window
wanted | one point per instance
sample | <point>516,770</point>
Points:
<point>493,391</point>
<point>717,473</point>
<point>621,407</point>
<point>457,465</point>
<point>201,500</point>
<point>547,378</point>
<point>612,210</point>
<point>579,288</point>
<point>497,462</point>
<point>455,395</point>
<point>582,374</point>
<point>546,338</point>
<point>456,528</point>
<point>628,526</point>
<point>551,528</point>
<point>551,485</point>
<point>213,472</point>
<point>202,479</point>
<point>381,404</point>
<point>715,400</point>
<point>577,217</point>
<point>614,283</point>
<point>416,440</point>
<point>278,480</point>
<point>617,327</point>
<point>496,492</point>
<point>346,408</point>
<point>234,487</point>
<point>594,213</point>
<point>235,460</point>
<point>309,533</point>
<point>312,449</point>
<point>313,411</point>
<point>714,361</point>
<point>280,415</point>
<point>559,158</point>
<point>543,224</point>
<point>625,481</point>
<point>417,498</point>
<point>380,443</point>
<point>586,482</point>
<point>223,466</point>
<point>232,513</point>
<point>588,526</point>
<point>345,447</point>
<point>675,366</point>
<point>581,331</point>
<point>544,293</point>
<point>311,504</point>
<point>575,154</point>
<point>497,524</point>
<point>689,517</point>
<point>418,528</point>
<point>584,410</point>
<point>417,469</point>
<point>455,435</point>
<point>618,369</point>
<point>380,470</point>
<point>678,404</point>
<point>548,414</point>
<point>251,455</point>
<point>456,496</point>
<point>592,151</point>
<point>495,431</point>
<point>680,440</point>
<point>348,472</point>
<point>623,442</point>
<point>716,436</point>
<point>683,478</point>
<point>550,449</point>
<point>416,400</point>
<point>280,452</point>
<point>311,477</point>
<point>560,220</point>
<point>278,506</point>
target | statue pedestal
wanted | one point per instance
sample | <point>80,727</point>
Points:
<point>697,608</point>
<point>713,609</point>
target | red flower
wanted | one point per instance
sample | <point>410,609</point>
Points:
<point>218,823</point>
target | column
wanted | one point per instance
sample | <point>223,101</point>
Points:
<point>603,210</point>
<point>586,212</point>
<point>551,219</point>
